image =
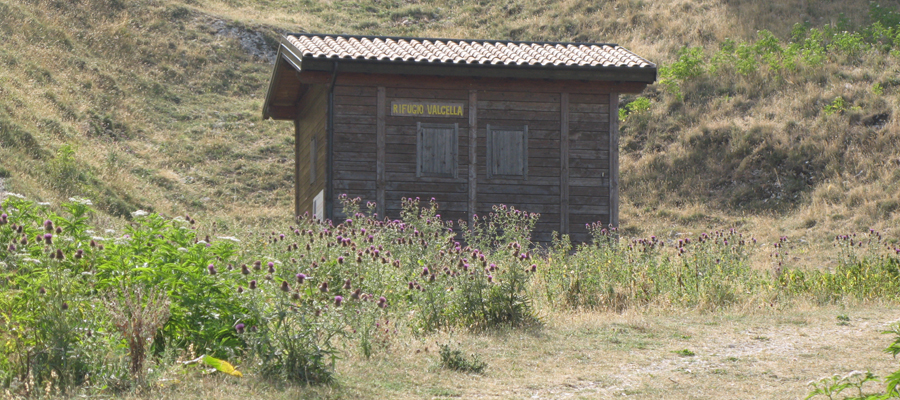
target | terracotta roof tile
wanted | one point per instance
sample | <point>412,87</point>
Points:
<point>459,51</point>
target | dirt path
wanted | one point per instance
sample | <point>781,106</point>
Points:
<point>764,355</point>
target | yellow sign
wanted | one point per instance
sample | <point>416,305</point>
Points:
<point>406,108</point>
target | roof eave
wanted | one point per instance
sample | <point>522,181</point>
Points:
<point>286,58</point>
<point>561,72</point>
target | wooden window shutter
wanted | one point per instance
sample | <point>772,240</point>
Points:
<point>507,151</point>
<point>437,148</point>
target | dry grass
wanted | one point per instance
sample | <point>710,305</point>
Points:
<point>163,113</point>
<point>737,354</point>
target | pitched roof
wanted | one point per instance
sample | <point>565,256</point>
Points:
<point>466,52</point>
<point>306,59</point>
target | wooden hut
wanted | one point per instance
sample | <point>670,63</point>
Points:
<point>471,123</point>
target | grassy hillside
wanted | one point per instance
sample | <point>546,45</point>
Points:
<point>156,105</point>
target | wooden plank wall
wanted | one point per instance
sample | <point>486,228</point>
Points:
<point>363,135</point>
<point>540,192</point>
<point>400,157</point>
<point>356,151</point>
<point>311,122</point>
<point>355,144</point>
<point>588,162</point>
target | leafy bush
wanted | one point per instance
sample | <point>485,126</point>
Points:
<point>640,105</point>
<point>456,360</point>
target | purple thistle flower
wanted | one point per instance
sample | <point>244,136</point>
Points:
<point>300,278</point>
<point>239,328</point>
<point>48,238</point>
<point>48,225</point>
<point>41,290</point>
<point>347,284</point>
<point>424,271</point>
<point>79,253</point>
<point>245,270</point>
<point>490,278</point>
<point>211,268</point>
<point>257,265</point>
<point>338,300</point>
<point>59,254</point>
<point>59,231</point>
<point>285,287</point>
<point>355,294</point>
<point>323,287</point>
<point>65,306</point>
<point>3,219</point>
<point>340,260</point>
<point>271,266</point>
<point>253,284</point>
<point>382,302</point>
<point>11,248</point>
<point>93,243</point>
<point>533,267</point>
<point>240,289</point>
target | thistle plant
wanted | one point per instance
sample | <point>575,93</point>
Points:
<point>137,312</point>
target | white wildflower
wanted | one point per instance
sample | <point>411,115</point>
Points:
<point>38,262</point>
<point>140,213</point>
<point>231,238</point>
<point>81,200</point>
<point>110,231</point>
<point>11,194</point>
<point>201,242</point>
<point>89,232</point>
<point>179,219</point>
<point>98,238</point>
<point>182,249</point>
<point>44,203</point>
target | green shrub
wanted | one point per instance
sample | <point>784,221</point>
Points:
<point>456,360</point>
<point>837,106</point>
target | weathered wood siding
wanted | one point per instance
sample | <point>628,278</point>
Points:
<point>375,152</point>
<point>588,162</point>
<point>310,124</point>
<point>355,156</point>
<point>355,122</point>
<point>539,190</point>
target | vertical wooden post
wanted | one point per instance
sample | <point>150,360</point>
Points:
<point>473,160</point>
<point>564,164</point>
<point>297,211</point>
<point>379,156</point>
<point>614,159</point>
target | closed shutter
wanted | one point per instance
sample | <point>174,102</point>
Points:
<point>437,148</point>
<point>507,151</point>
